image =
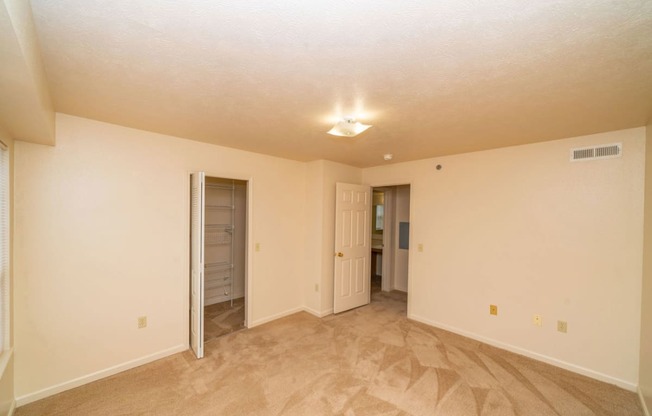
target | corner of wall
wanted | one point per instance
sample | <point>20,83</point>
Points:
<point>31,116</point>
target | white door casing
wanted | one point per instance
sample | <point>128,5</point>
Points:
<point>197,263</point>
<point>352,247</point>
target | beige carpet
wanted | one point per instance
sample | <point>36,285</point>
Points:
<point>370,361</point>
<point>223,318</point>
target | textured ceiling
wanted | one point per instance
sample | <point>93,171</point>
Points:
<point>433,77</point>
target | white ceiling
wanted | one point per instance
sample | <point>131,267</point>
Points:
<point>433,77</point>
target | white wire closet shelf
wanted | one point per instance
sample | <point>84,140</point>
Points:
<point>220,207</point>
<point>227,187</point>
<point>219,240</point>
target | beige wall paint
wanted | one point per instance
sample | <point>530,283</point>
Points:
<point>7,375</point>
<point>102,238</point>
<point>524,228</point>
<point>645,369</point>
<point>313,236</point>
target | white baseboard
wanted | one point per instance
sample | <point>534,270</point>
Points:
<point>275,316</point>
<point>646,411</point>
<point>317,313</point>
<point>79,381</point>
<point>312,311</point>
<point>531,354</point>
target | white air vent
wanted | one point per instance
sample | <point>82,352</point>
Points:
<point>606,151</point>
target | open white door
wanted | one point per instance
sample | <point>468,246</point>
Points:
<point>197,264</point>
<point>352,246</point>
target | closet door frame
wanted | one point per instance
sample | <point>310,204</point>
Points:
<point>248,289</point>
<point>197,198</point>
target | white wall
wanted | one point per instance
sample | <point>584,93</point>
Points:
<point>102,238</point>
<point>645,369</point>
<point>313,238</point>
<point>524,228</point>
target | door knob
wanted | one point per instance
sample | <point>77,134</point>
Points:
<point>340,254</point>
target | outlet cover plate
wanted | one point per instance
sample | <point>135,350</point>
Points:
<point>536,320</point>
<point>562,326</point>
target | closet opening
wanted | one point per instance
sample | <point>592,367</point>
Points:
<point>218,258</point>
<point>224,256</point>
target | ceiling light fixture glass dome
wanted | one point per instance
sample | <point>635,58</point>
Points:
<point>348,127</point>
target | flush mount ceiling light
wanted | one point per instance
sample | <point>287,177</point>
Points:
<point>348,127</point>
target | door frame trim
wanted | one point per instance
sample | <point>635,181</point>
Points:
<point>248,236</point>
<point>248,244</point>
<point>411,241</point>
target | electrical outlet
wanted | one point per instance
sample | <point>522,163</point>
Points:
<point>536,320</point>
<point>562,326</point>
<point>257,246</point>
<point>420,247</point>
<point>493,310</point>
<point>142,322</point>
<point>316,287</point>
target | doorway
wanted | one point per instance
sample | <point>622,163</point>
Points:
<point>390,239</point>
<point>218,258</point>
<point>224,247</point>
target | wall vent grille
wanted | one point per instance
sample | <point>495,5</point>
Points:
<point>596,152</point>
